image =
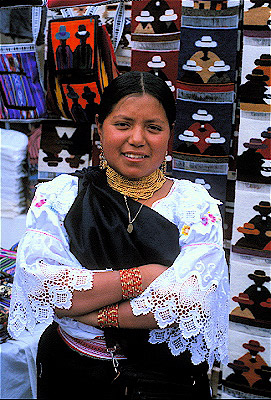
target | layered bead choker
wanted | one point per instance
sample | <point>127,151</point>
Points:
<point>141,188</point>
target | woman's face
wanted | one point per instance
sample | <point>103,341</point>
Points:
<point>135,135</point>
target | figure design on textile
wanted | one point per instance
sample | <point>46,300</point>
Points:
<point>81,102</point>
<point>260,3</point>
<point>51,146</point>
<point>237,376</point>
<point>249,368</point>
<point>257,232</point>
<point>220,72</point>
<point>255,301</point>
<point>64,56</point>
<point>201,137</point>
<point>204,66</point>
<point>243,310</point>
<point>257,17</point>
<point>156,18</point>
<point>82,56</point>
<point>254,164</point>
<point>191,72</point>
<point>264,383</point>
<point>91,108</point>
<point>156,64</point>
<point>254,90</point>
<point>264,63</point>
<point>77,110</point>
<point>75,140</point>
<point>253,360</point>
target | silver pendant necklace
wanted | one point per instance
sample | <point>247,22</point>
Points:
<point>130,226</point>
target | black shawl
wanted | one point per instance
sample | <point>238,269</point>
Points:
<point>96,224</point>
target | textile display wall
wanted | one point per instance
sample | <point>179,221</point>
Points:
<point>249,370</point>
<point>206,93</point>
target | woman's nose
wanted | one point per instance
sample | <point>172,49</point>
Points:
<point>137,136</point>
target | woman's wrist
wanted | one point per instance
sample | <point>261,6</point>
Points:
<point>131,283</point>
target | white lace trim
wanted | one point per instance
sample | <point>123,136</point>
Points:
<point>42,284</point>
<point>197,301</point>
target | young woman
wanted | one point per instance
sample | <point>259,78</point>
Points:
<point>127,263</point>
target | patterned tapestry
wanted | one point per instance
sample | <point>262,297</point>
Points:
<point>155,34</point>
<point>206,93</point>
<point>81,62</point>
<point>21,94</point>
<point>248,374</point>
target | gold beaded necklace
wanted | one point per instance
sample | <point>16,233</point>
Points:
<point>141,188</point>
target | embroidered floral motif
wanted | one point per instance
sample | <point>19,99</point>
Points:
<point>185,230</point>
<point>209,217</point>
<point>38,201</point>
<point>204,220</point>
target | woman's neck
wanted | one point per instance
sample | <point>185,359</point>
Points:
<point>138,189</point>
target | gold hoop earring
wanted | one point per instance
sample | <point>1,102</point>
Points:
<point>103,163</point>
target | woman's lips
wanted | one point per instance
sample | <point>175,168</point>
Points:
<point>134,156</point>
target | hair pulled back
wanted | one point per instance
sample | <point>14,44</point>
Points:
<point>135,82</point>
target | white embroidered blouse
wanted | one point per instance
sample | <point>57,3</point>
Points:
<point>193,292</point>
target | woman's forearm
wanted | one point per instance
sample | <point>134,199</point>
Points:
<point>106,290</point>
<point>126,318</point>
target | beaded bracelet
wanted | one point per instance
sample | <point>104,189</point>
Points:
<point>131,283</point>
<point>108,316</point>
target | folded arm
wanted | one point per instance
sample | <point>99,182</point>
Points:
<point>106,290</point>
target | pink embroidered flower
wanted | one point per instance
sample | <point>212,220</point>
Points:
<point>185,230</point>
<point>212,217</point>
<point>204,220</point>
<point>40,203</point>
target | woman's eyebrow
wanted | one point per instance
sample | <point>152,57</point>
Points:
<point>155,120</point>
<point>123,116</point>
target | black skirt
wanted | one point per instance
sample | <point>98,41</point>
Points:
<point>65,373</point>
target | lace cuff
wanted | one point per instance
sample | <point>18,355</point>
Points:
<point>190,304</point>
<point>45,278</point>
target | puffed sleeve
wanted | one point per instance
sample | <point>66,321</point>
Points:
<point>190,299</point>
<point>46,271</point>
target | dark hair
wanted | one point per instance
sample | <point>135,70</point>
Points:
<point>137,82</point>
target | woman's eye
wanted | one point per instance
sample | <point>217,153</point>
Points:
<point>122,125</point>
<point>155,128</point>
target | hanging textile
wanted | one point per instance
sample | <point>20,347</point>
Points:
<point>248,372</point>
<point>155,38</point>
<point>64,148</point>
<point>118,25</point>
<point>81,63</point>
<point>21,93</point>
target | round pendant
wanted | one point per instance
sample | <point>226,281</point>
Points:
<point>130,228</point>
